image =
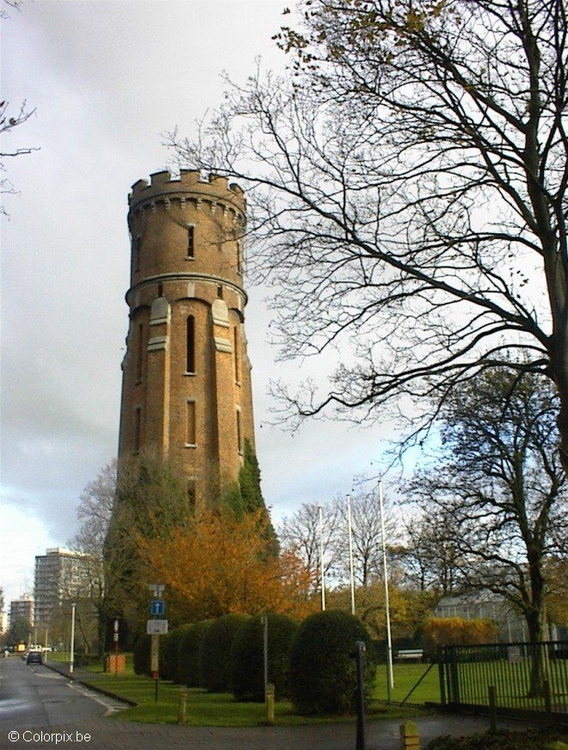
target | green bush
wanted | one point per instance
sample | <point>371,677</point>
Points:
<point>169,656</point>
<point>141,655</point>
<point>164,670</point>
<point>322,664</point>
<point>189,648</point>
<point>215,653</point>
<point>248,657</point>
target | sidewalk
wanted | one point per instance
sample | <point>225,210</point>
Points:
<point>111,733</point>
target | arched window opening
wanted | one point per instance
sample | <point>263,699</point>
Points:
<point>190,241</point>
<point>191,438</point>
<point>190,345</point>
<point>239,433</point>
<point>139,353</point>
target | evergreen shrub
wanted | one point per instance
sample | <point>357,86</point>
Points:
<point>141,655</point>
<point>322,664</point>
<point>169,661</point>
<point>215,653</point>
<point>248,657</point>
<point>189,649</point>
<point>164,670</point>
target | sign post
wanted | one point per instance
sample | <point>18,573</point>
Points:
<point>115,639</point>
<point>155,628</point>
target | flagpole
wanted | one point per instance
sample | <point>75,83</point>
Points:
<point>351,576</point>
<point>390,675</point>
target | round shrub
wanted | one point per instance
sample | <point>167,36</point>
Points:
<point>169,656</point>
<point>189,649</point>
<point>248,657</point>
<point>141,655</point>
<point>164,664</point>
<point>215,653</point>
<point>322,664</point>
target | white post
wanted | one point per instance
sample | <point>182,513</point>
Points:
<point>351,576</point>
<point>390,677</point>
<point>72,654</point>
<point>322,574</point>
<point>264,620</point>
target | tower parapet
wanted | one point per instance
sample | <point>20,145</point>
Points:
<point>190,185</point>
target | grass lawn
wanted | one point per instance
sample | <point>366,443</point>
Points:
<point>218,709</point>
<point>406,676</point>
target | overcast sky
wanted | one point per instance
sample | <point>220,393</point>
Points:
<point>107,78</point>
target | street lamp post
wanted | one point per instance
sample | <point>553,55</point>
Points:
<point>351,575</point>
<point>72,654</point>
<point>322,573</point>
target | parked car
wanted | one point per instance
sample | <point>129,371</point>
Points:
<point>34,657</point>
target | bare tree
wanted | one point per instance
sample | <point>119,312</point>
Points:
<point>94,514</point>
<point>300,533</point>
<point>431,555</point>
<point>407,184</point>
<point>95,511</point>
<point>367,537</point>
<point>13,4</point>
<point>499,480</point>
<point>10,118</point>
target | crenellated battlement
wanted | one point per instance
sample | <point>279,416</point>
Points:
<point>190,185</point>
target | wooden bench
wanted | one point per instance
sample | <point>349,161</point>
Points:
<point>410,654</point>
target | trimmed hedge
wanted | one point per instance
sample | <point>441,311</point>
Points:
<point>215,653</point>
<point>141,655</point>
<point>169,656</point>
<point>248,657</point>
<point>322,664</point>
<point>189,650</point>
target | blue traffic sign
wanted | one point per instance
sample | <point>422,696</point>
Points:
<point>157,607</point>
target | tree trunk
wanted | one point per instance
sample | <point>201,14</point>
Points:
<point>538,656</point>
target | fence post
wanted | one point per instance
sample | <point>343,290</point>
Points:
<point>454,678</point>
<point>360,695</point>
<point>182,705</point>
<point>270,703</point>
<point>409,737</point>
<point>441,675</point>
<point>492,709</point>
<point>547,697</point>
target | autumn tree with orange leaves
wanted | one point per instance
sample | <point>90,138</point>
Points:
<point>220,565</point>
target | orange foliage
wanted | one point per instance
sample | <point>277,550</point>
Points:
<point>220,565</point>
<point>444,631</point>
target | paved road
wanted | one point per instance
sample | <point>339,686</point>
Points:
<point>39,708</point>
<point>37,696</point>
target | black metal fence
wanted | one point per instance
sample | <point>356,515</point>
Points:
<point>512,676</point>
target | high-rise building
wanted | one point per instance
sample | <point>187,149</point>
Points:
<point>22,609</point>
<point>186,394</point>
<point>60,576</point>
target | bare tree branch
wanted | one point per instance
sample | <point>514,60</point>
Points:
<point>407,187</point>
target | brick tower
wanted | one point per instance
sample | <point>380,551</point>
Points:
<point>186,393</point>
